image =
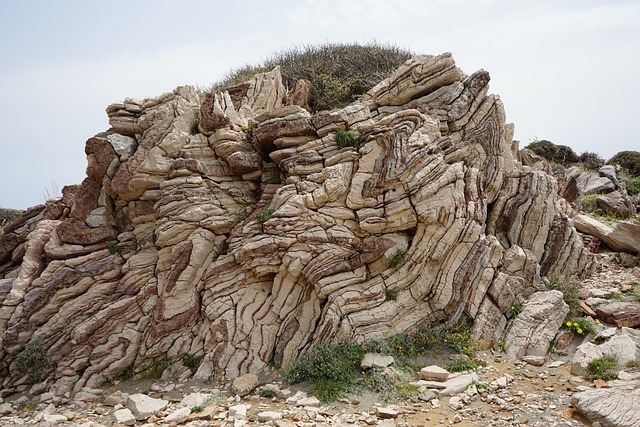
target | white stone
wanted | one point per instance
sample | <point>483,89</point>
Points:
<point>375,359</point>
<point>308,401</point>
<point>434,373</point>
<point>458,384</point>
<point>178,416</point>
<point>238,412</point>
<point>123,145</point>
<point>54,419</point>
<point>124,416</point>
<point>194,399</point>
<point>143,406</point>
<point>267,416</point>
<point>244,384</point>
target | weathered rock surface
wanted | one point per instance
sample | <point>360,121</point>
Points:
<point>622,346</point>
<point>143,406</point>
<point>621,314</point>
<point>234,229</point>
<point>530,333</point>
<point>625,237</point>
<point>611,408</point>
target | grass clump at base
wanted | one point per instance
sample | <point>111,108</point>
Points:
<point>461,365</point>
<point>339,73</point>
<point>569,287</point>
<point>460,339</point>
<point>603,368</point>
<point>397,258</point>
<point>212,399</point>
<point>347,138</point>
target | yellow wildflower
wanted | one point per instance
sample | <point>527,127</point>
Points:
<point>575,324</point>
<point>579,331</point>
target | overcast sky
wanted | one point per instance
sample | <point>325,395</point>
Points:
<point>566,71</point>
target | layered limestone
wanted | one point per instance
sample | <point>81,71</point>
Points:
<point>231,227</point>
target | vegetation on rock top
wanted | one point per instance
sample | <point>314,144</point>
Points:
<point>339,73</point>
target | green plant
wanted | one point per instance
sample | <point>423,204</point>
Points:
<point>501,345</point>
<point>589,203</point>
<point>591,160</point>
<point>392,386</point>
<point>412,343</point>
<point>390,294</point>
<point>460,338</point>
<point>347,138</point>
<point>633,185</point>
<point>190,361</point>
<point>557,153</point>
<point>603,368</point>
<point>212,399</point>
<point>628,160</point>
<point>33,359</point>
<point>154,370</point>
<point>479,384</point>
<point>268,394</point>
<point>516,309</point>
<point>462,364</point>
<point>114,248</point>
<point>397,258</point>
<point>264,215</point>
<point>635,363</point>
<point>569,287</point>
<point>580,326</point>
<point>339,73</point>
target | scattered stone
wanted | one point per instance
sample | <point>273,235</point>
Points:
<point>54,419</point>
<point>556,364</point>
<point>268,416</point>
<point>194,399</point>
<point>308,401</point>
<point>386,412</point>
<point>5,409</point>
<point>115,398</point>
<point>621,314</point>
<point>238,412</point>
<point>124,416</point>
<point>178,416</point>
<point>434,373</point>
<point>535,360</point>
<point>244,384</point>
<point>371,360</point>
<point>458,384</point>
<point>143,406</point>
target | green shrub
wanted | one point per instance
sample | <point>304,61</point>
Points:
<point>390,294</point>
<point>8,215</point>
<point>415,342</point>
<point>212,399</point>
<point>268,394</point>
<point>339,73</point>
<point>580,326</point>
<point>347,138</point>
<point>114,248</point>
<point>265,215</point>
<point>190,361</point>
<point>627,160</point>
<point>589,203</point>
<point>632,183</point>
<point>460,365</point>
<point>591,160</point>
<point>34,361</point>
<point>516,309</point>
<point>603,368</point>
<point>392,386</point>
<point>570,288</point>
<point>154,370</point>
<point>460,338</point>
<point>397,258</point>
<point>561,154</point>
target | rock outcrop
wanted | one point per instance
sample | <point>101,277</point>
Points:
<point>232,228</point>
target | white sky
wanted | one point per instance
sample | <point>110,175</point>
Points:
<point>566,69</point>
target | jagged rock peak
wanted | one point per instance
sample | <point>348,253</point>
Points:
<point>238,228</point>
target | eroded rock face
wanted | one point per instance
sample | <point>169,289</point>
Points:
<point>234,229</point>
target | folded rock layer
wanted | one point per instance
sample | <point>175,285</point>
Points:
<point>234,229</point>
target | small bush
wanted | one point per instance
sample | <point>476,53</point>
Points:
<point>391,386</point>
<point>569,287</point>
<point>268,394</point>
<point>339,73</point>
<point>603,368</point>
<point>336,361</point>
<point>460,365</point>
<point>632,183</point>
<point>154,371</point>
<point>34,361</point>
<point>460,339</point>
<point>397,258</point>
<point>589,203</point>
<point>114,248</point>
<point>347,138</point>
<point>516,309</point>
<point>190,361</point>
<point>265,215</point>
<point>412,343</point>
<point>580,326</point>
<point>591,161</point>
<point>390,294</point>
<point>627,160</point>
<point>561,154</point>
<point>212,399</point>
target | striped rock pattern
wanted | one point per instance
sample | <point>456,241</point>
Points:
<point>233,228</point>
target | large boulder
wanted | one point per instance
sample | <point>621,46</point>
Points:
<point>609,407</point>
<point>234,227</point>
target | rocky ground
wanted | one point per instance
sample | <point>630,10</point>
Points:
<point>500,393</point>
